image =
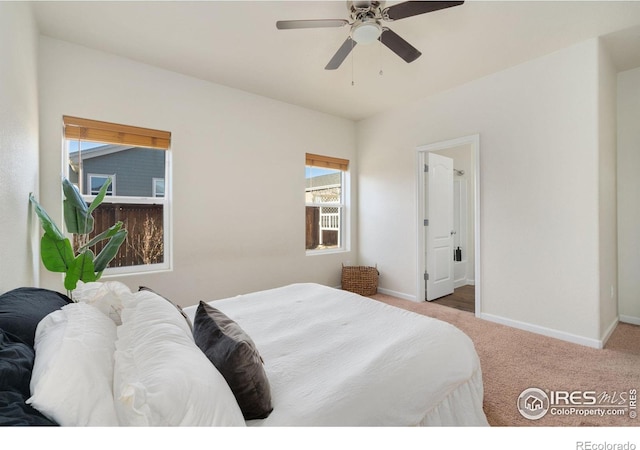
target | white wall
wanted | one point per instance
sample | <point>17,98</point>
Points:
<point>18,145</point>
<point>238,169</point>
<point>539,212</point>
<point>628,189</point>
<point>608,247</point>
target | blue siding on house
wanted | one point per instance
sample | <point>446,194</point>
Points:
<point>134,169</point>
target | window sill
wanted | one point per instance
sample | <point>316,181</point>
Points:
<point>136,270</point>
<point>327,251</point>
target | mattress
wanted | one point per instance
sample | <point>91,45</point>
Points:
<point>334,358</point>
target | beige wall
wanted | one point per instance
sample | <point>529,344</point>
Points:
<point>628,189</point>
<point>18,145</point>
<point>539,186</point>
<point>608,234</point>
<point>238,169</point>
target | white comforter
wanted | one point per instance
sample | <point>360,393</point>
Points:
<point>334,358</point>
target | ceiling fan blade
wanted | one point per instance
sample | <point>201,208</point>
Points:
<point>398,45</point>
<point>320,23</point>
<point>341,54</point>
<point>411,8</point>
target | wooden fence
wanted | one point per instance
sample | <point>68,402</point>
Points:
<point>312,227</point>
<point>314,237</point>
<point>145,232</point>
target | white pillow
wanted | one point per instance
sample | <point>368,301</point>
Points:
<point>72,379</point>
<point>108,297</point>
<point>161,378</point>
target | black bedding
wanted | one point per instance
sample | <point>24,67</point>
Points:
<point>20,312</point>
<point>21,309</point>
<point>16,364</point>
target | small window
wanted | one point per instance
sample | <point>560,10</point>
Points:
<point>325,204</point>
<point>158,187</point>
<point>138,159</point>
<point>95,182</point>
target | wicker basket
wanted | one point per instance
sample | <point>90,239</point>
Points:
<point>362,280</point>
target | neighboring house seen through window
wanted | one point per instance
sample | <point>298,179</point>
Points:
<point>325,202</point>
<point>138,159</point>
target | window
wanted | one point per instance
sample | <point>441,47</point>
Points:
<point>96,181</point>
<point>138,158</point>
<point>325,205</point>
<point>158,187</point>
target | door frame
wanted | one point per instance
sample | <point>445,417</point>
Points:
<point>421,152</point>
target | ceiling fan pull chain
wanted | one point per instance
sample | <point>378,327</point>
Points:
<point>380,56</point>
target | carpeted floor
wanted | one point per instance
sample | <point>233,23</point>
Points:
<point>514,360</point>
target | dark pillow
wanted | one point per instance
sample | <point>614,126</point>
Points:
<point>21,309</point>
<point>16,364</point>
<point>235,355</point>
<point>182,313</point>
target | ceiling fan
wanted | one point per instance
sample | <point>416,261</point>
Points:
<point>366,26</point>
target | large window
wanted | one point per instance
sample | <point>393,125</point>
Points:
<point>325,205</point>
<point>138,159</point>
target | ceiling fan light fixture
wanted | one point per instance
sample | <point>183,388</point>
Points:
<point>366,32</point>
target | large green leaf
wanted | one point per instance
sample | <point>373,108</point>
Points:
<point>56,253</point>
<point>76,220</point>
<point>110,250</point>
<point>100,197</point>
<point>106,234</point>
<point>77,217</point>
<point>48,225</point>
<point>81,268</point>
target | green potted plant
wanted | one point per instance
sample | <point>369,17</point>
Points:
<point>56,251</point>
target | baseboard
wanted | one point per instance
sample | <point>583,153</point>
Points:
<point>629,319</point>
<point>463,282</point>
<point>397,294</point>
<point>609,332</point>
<point>549,332</point>
<point>392,293</point>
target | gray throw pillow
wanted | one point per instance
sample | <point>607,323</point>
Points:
<point>236,357</point>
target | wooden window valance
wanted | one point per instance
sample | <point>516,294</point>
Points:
<point>327,162</point>
<point>113,133</point>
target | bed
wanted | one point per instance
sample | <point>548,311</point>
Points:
<point>328,357</point>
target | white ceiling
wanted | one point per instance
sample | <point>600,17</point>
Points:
<point>236,43</point>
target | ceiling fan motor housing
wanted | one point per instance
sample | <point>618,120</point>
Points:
<point>363,9</point>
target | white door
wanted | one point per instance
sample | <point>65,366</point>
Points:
<point>439,228</point>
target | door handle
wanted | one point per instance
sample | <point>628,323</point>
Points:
<point>452,233</point>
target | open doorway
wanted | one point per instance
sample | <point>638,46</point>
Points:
<point>448,230</point>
